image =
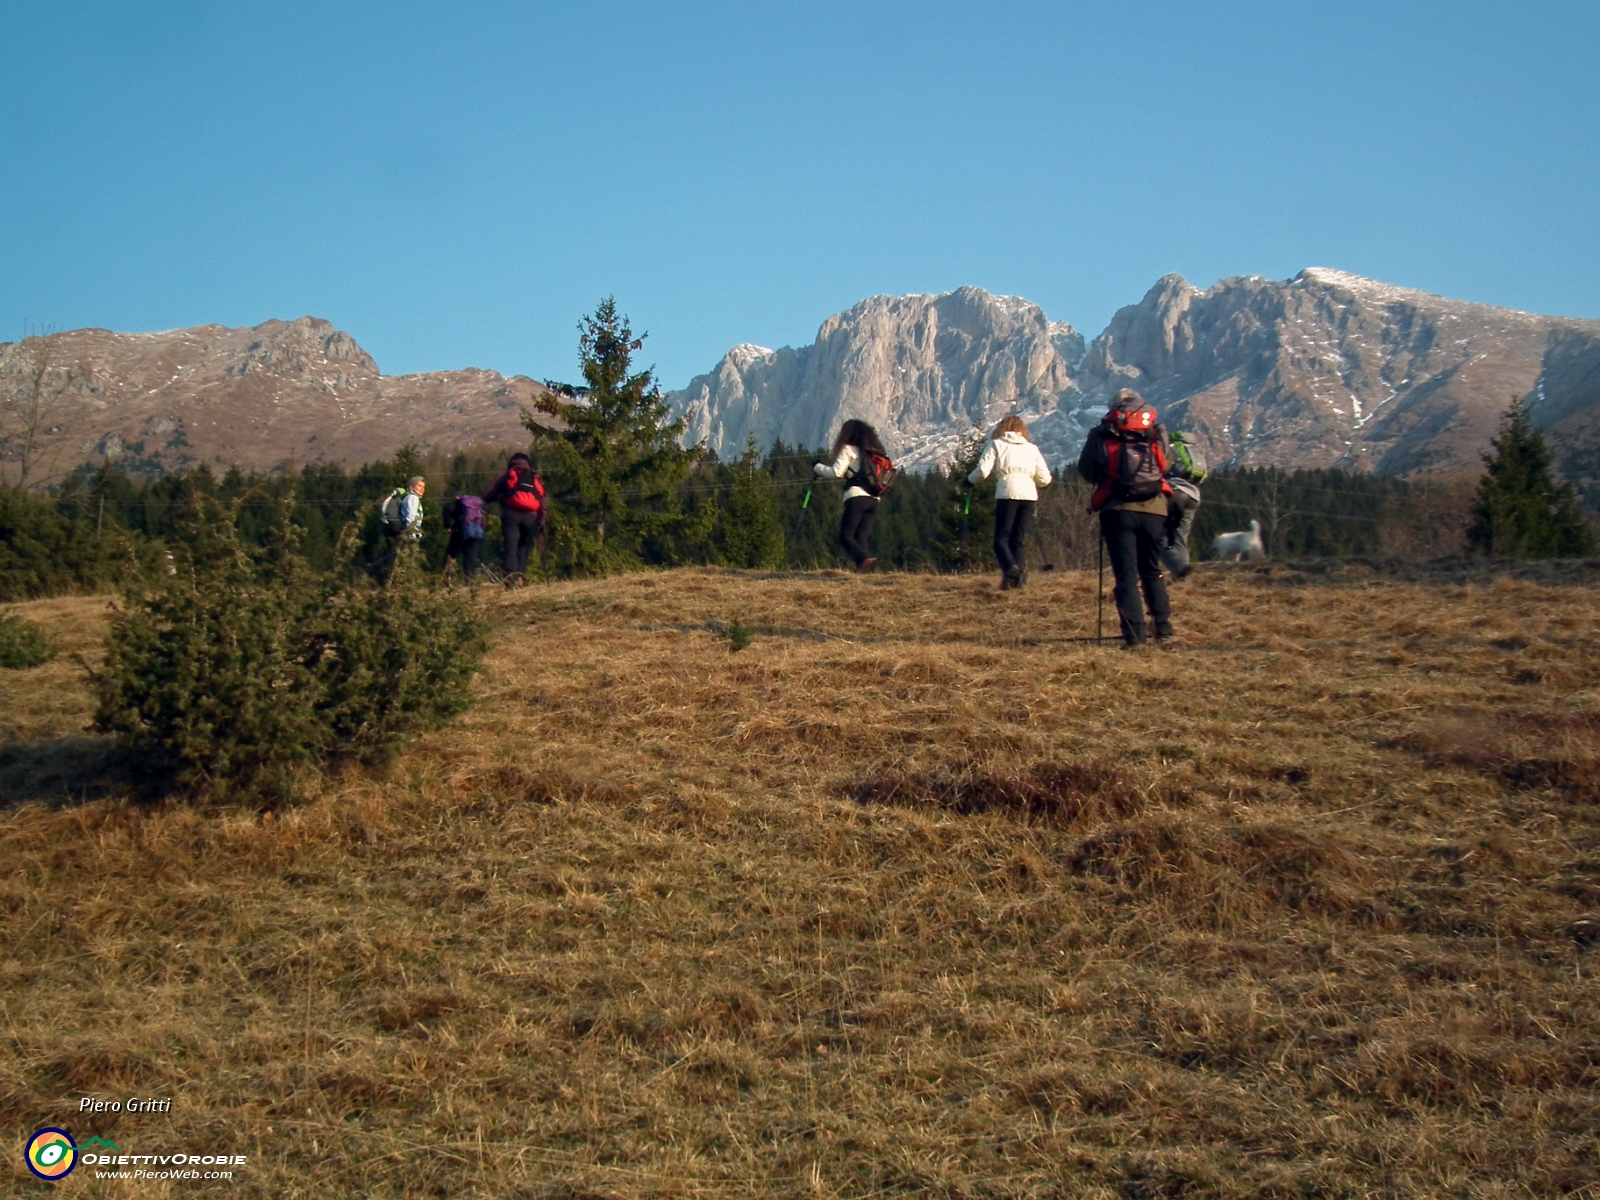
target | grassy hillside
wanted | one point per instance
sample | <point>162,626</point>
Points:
<point>919,894</point>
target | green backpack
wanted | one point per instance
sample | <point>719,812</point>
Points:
<point>1188,460</point>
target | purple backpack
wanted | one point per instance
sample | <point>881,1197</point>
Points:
<point>469,518</point>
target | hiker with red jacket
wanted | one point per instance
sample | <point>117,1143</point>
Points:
<point>520,492</point>
<point>861,461</point>
<point>1126,458</point>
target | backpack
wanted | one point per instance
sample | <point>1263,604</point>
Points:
<point>874,473</point>
<point>1185,493</point>
<point>1136,467</point>
<point>391,516</point>
<point>1188,461</point>
<point>528,483</point>
<point>469,517</point>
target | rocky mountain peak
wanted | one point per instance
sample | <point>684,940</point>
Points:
<point>921,368</point>
<point>1326,369</point>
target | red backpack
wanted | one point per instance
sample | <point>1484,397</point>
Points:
<point>526,487</point>
<point>874,473</point>
<point>1136,463</point>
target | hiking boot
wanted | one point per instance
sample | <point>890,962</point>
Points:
<point>1005,581</point>
<point>1015,577</point>
<point>867,567</point>
<point>513,581</point>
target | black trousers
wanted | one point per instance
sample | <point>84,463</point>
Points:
<point>466,550</point>
<point>1011,519</point>
<point>521,530</point>
<point>1133,544</point>
<point>860,515</point>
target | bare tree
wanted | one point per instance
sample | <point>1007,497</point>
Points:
<point>33,383</point>
<point>1273,493</point>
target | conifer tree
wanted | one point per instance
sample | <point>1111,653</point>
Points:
<point>966,518</point>
<point>612,466</point>
<point>750,532</point>
<point>1520,510</point>
<point>808,509</point>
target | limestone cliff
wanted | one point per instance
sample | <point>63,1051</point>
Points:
<point>1323,370</point>
<point>922,369</point>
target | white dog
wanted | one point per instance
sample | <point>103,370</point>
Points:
<point>1244,544</point>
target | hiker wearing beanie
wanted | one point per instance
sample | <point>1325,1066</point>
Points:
<point>860,459</point>
<point>1020,472</point>
<point>520,492</point>
<point>1126,458</point>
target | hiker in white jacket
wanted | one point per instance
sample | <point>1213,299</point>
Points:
<point>1020,472</point>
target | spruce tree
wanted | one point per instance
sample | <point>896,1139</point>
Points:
<point>612,465</point>
<point>966,518</point>
<point>1520,510</point>
<point>749,531</point>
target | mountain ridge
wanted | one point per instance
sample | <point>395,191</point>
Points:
<point>1326,369</point>
<point>254,396</point>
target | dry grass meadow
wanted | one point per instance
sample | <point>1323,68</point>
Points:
<point>918,894</point>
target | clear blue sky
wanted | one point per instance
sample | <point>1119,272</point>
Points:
<point>455,184</point>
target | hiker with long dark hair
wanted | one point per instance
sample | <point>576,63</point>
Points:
<point>1126,458</point>
<point>520,492</point>
<point>1020,471</point>
<point>861,461</point>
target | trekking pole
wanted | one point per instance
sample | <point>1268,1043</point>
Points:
<point>805,501</point>
<point>966,507</point>
<point>544,556</point>
<point>1100,594</point>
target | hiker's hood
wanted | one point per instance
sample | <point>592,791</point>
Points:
<point>1012,437</point>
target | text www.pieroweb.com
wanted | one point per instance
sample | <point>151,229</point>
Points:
<point>163,1166</point>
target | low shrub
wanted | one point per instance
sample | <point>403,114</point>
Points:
<point>22,644</point>
<point>250,665</point>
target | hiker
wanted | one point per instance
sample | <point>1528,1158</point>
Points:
<point>463,517</point>
<point>1126,458</point>
<point>1186,467</point>
<point>1181,506</point>
<point>861,461</point>
<point>400,518</point>
<point>1021,472</point>
<point>401,514</point>
<point>520,492</point>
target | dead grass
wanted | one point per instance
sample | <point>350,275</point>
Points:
<point>917,894</point>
